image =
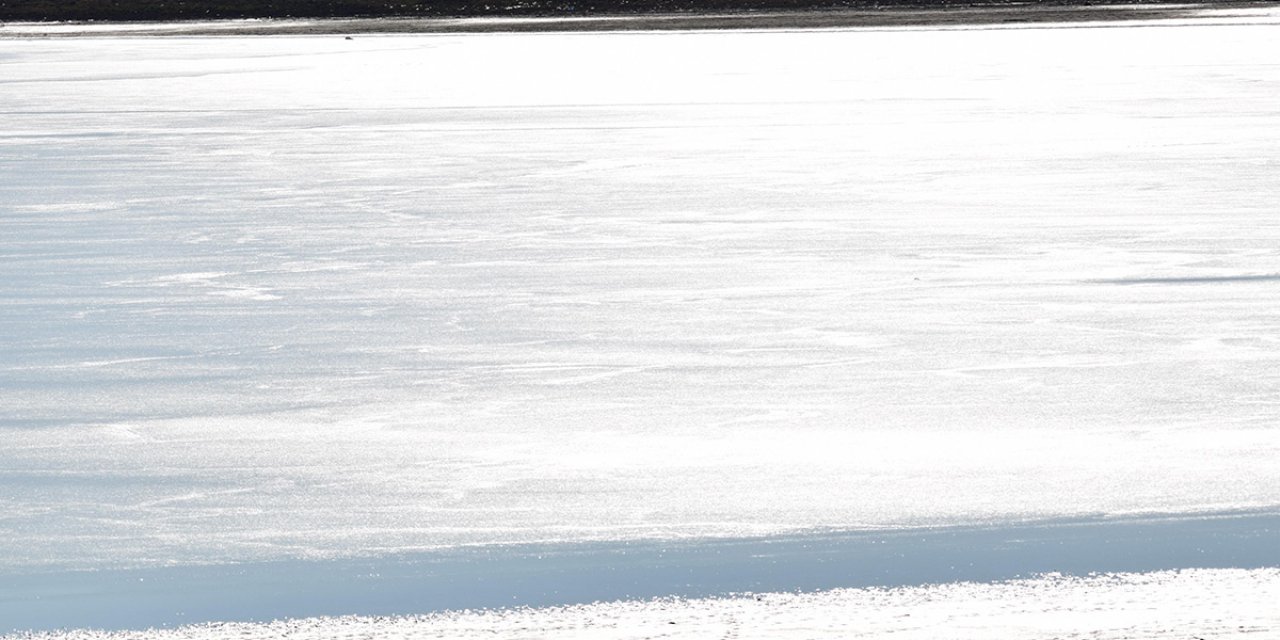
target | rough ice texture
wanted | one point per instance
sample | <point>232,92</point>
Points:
<point>1188,604</point>
<point>301,297</point>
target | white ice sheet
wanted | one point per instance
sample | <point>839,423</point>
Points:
<point>301,297</point>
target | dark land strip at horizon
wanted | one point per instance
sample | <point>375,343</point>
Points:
<point>712,18</point>
<point>488,577</point>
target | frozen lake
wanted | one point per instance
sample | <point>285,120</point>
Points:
<point>308,299</point>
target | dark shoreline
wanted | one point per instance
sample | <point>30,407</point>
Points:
<point>821,17</point>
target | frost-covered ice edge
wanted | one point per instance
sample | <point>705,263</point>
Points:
<point>1202,603</point>
<point>303,299</point>
<point>541,575</point>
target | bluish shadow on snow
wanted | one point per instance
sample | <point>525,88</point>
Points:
<point>1270,277</point>
<point>536,575</point>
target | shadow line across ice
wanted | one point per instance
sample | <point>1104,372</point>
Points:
<point>1270,277</point>
<point>562,574</point>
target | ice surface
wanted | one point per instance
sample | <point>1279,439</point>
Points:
<point>307,297</point>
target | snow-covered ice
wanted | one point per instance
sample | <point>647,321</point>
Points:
<point>304,298</point>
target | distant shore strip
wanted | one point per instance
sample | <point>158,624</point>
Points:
<point>268,18</point>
